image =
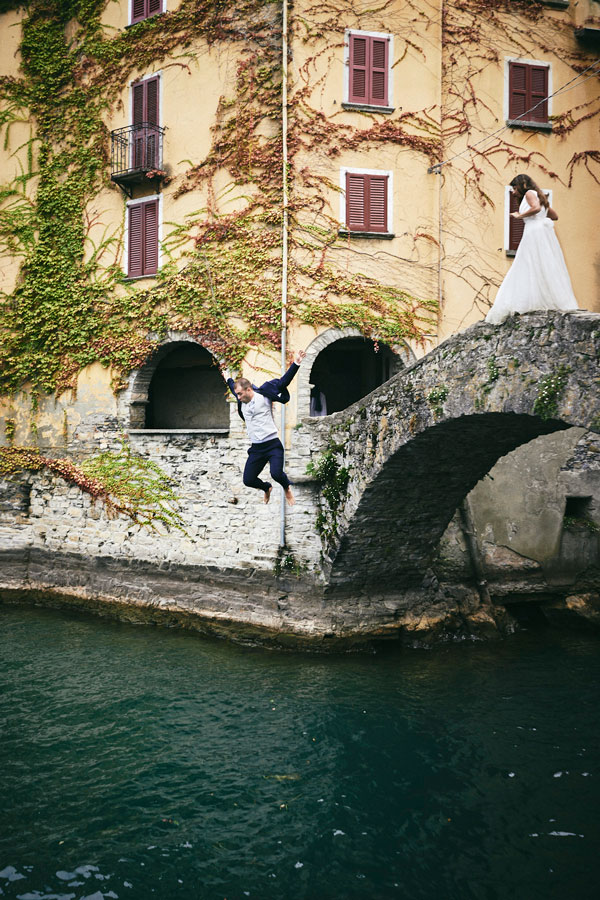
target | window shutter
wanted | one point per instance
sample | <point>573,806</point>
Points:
<point>355,202</point>
<point>539,91</point>
<point>515,226</point>
<point>143,239</point>
<point>379,72</point>
<point>154,6</point>
<point>377,202</point>
<point>137,103</point>
<point>517,103</point>
<point>359,51</point>
<point>151,111</point>
<point>151,237</point>
<point>138,11</point>
<point>135,242</point>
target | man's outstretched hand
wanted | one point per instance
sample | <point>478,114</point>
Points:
<point>299,356</point>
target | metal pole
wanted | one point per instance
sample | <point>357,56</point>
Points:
<point>284,260</point>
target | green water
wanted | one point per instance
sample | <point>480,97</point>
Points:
<point>138,762</point>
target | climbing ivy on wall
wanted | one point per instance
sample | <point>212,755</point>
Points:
<point>125,483</point>
<point>71,305</point>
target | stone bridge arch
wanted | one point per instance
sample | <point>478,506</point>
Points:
<point>418,445</point>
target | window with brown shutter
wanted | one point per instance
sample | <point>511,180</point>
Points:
<point>527,93</point>
<point>368,70</point>
<point>144,114</point>
<point>142,243</point>
<point>366,203</point>
<point>143,9</point>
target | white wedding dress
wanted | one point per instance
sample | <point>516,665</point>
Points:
<point>538,278</point>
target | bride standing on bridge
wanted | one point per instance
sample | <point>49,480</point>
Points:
<point>538,278</point>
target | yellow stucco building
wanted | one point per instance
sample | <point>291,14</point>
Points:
<point>401,134</point>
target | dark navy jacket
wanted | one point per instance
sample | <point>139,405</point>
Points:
<point>275,390</point>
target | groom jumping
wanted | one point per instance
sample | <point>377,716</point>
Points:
<point>255,406</point>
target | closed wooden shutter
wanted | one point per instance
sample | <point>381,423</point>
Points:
<point>138,11</point>
<point>517,90</point>
<point>355,202</point>
<point>538,79</point>
<point>359,53</point>
<point>154,6</point>
<point>138,93</point>
<point>369,58</point>
<point>377,202</point>
<point>135,242</point>
<point>379,72</point>
<point>143,239</point>
<point>151,237</point>
<point>151,100</point>
<point>515,226</point>
<point>366,202</point>
<point>527,86</point>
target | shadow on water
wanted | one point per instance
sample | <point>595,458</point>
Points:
<point>147,761</point>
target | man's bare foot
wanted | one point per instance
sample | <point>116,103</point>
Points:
<point>289,496</point>
<point>267,496</point>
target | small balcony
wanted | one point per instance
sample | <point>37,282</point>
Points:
<point>136,155</point>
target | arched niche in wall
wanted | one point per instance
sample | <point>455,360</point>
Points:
<point>180,388</point>
<point>341,367</point>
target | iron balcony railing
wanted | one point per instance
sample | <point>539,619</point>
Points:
<point>135,151</point>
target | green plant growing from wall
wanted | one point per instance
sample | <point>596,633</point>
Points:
<point>333,480</point>
<point>127,484</point>
<point>578,523</point>
<point>436,399</point>
<point>551,389</point>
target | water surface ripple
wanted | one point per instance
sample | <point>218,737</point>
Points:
<point>138,762</point>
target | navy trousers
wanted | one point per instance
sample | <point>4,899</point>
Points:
<point>258,456</point>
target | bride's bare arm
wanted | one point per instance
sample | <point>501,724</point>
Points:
<point>534,203</point>
<point>552,214</point>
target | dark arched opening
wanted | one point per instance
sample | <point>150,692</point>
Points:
<point>348,370</point>
<point>187,391</point>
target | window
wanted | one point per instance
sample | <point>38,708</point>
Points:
<point>513,229</point>
<point>366,203</point>
<point>143,9</point>
<point>142,238</point>
<point>145,119</point>
<point>368,70</point>
<point>528,89</point>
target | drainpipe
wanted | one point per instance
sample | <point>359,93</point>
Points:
<point>284,260</point>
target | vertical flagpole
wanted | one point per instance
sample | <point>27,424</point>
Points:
<point>284,260</point>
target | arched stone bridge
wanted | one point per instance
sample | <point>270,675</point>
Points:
<point>417,445</point>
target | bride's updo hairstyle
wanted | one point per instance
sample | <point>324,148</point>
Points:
<point>523,183</point>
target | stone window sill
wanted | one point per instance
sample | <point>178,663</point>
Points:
<point>179,431</point>
<point>535,126</point>
<point>138,277</point>
<point>369,235</point>
<point>367,107</point>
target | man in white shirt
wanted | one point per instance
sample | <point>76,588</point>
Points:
<point>255,406</point>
